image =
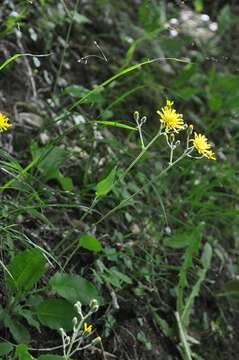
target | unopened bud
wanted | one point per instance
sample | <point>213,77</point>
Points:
<point>67,340</point>
<point>136,116</point>
<point>97,340</point>
<point>177,143</point>
<point>63,334</point>
<point>78,307</point>
<point>75,321</point>
<point>172,137</point>
<point>94,305</point>
<point>190,129</point>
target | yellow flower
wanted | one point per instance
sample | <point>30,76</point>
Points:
<point>87,328</point>
<point>4,123</point>
<point>170,118</point>
<point>200,142</point>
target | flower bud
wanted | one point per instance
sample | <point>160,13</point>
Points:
<point>94,306</point>
<point>136,116</point>
<point>75,321</point>
<point>97,340</point>
<point>190,129</point>
<point>172,137</point>
<point>78,307</point>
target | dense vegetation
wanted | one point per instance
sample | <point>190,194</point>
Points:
<point>119,179</point>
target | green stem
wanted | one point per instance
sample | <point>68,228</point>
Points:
<point>96,199</point>
<point>65,46</point>
<point>185,153</point>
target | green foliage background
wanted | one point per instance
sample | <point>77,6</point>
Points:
<point>164,265</point>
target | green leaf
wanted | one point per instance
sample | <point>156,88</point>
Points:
<point>206,256</point>
<point>73,288</point>
<point>29,316</point>
<point>50,357</point>
<point>81,92</point>
<point>231,289</point>
<point>225,19</point>
<point>90,243</point>
<point>26,269</point>
<point>198,5</point>
<point>105,185</point>
<point>80,19</point>
<point>120,275</point>
<point>8,61</point>
<point>180,240</point>
<point>116,124</point>
<point>22,353</point>
<point>194,240</point>
<point>49,160</point>
<point>56,313</point>
<point>5,348</point>
<point>18,331</point>
<point>206,261</point>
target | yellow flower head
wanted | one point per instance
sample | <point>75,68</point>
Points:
<point>4,123</point>
<point>200,142</point>
<point>170,118</point>
<point>88,328</point>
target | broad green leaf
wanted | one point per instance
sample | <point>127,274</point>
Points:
<point>90,243</point>
<point>22,353</point>
<point>26,269</point>
<point>105,185</point>
<point>116,124</point>
<point>5,348</point>
<point>18,331</point>
<point>73,288</point>
<point>56,313</point>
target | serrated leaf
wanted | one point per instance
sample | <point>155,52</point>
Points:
<point>56,314</point>
<point>90,243</point>
<point>26,269</point>
<point>105,185</point>
<point>73,288</point>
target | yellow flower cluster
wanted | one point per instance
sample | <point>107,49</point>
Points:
<point>4,123</point>
<point>173,122</point>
